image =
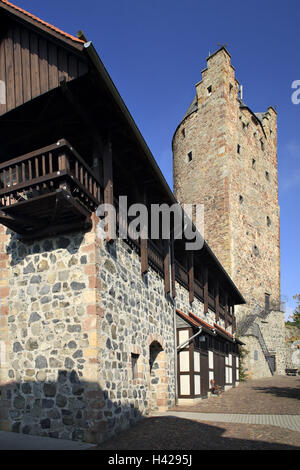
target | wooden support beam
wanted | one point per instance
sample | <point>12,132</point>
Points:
<point>167,266</point>
<point>205,289</point>
<point>233,320</point>
<point>108,186</point>
<point>144,243</point>
<point>191,275</point>
<point>217,301</point>
<point>173,268</point>
<point>226,309</point>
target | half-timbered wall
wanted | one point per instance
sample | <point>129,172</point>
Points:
<point>31,65</point>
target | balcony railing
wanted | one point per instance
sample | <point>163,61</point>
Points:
<point>30,186</point>
<point>38,172</point>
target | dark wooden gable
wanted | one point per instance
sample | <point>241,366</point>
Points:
<point>32,62</point>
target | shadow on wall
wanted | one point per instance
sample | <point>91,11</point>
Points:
<point>68,408</point>
<point>19,249</point>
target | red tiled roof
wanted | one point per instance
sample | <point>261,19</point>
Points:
<point>223,331</point>
<point>187,318</point>
<point>50,26</point>
<point>201,322</point>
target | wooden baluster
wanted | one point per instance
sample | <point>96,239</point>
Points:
<point>17,173</point>
<point>23,172</point>
<point>30,169</point>
<point>10,181</point>
<point>4,179</point>
<point>81,174</point>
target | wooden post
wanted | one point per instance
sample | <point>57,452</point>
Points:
<point>205,289</point>
<point>233,320</point>
<point>144,244</point>
<point>63,165</point>
<point>108,185</point>
<point>226,310</point>
<point>166,266</point>
<point>191,276</point>
<point>173,269</point>
<point>217,301</point>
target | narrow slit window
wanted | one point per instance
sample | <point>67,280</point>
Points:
<point>209,90</point>
<point>253,163</point>
<point>190,156</point>
<point>267,303</point>
<point>134,365</point>
<point>238,149</point>
<point>183,132</point>
<point>267,176</point>
<point>268,221</point>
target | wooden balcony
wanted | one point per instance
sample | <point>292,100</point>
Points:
<point>48,191</point>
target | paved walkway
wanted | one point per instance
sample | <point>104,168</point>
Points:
<point>262,414</point>
<point>283,421</point>
<point>15,441</point>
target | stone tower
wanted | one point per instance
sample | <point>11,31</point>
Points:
<point>225,157</point>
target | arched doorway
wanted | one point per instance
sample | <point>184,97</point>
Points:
<point>158,386</point>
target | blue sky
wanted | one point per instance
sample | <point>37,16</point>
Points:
<point>155,50</point>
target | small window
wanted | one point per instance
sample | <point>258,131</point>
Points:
<point>134,366</point>
<point>209,90</point>
<point>267,176</point>
<point>238,149</point>
<point>262,145</point>
<point>183,132</point>
<point>268,221</point>
<point>241,199</point>
<point>256,355</point>
<point>244,126</point>
<point>267,303</point>
<point>253,163</point>
<point>230,87</point>
<point>190,156</point>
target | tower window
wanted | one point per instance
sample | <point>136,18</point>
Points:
<point>238,148</point>
<point>262,145</point>
<point>190,156</point>
<point>209,90</point>
<point>267,303</point>
<point>241,199</point>
<point>253,163</point>
<point>183,132</point>
<point>268,221</point>
<point>267,175</point>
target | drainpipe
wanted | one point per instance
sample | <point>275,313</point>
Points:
<point>190,339</point>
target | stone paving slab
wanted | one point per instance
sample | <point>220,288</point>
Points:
<point>16,441</point>
<point>283,421</point>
